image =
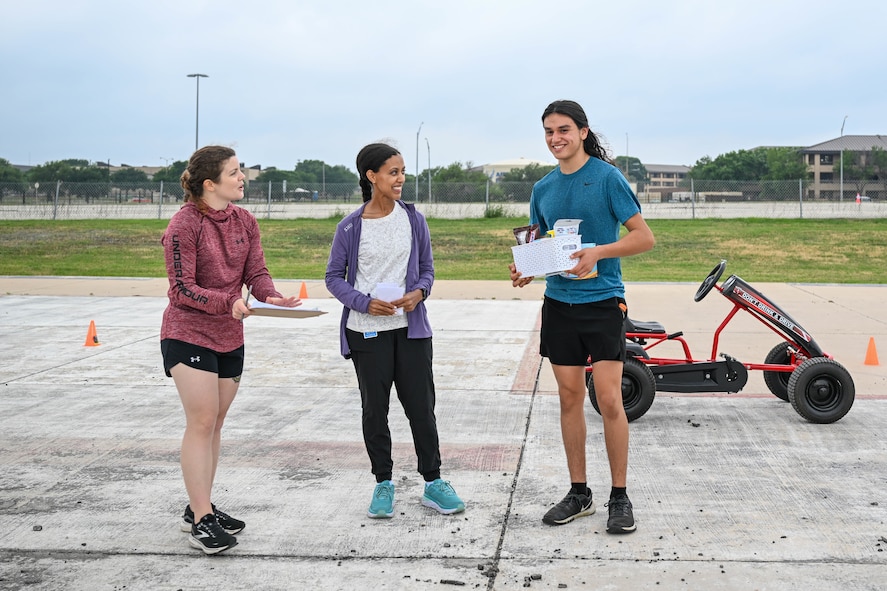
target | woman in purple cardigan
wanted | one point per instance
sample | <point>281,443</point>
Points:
<point>381,269</point>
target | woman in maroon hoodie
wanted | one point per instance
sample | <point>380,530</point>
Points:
<point>212,249</point>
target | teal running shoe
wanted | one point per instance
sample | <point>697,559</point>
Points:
<point>382,506</point>
<point>440,496</point>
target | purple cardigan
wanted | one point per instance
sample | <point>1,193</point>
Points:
<point>341,271</point>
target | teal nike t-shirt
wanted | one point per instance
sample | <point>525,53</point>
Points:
<point>599,195</point>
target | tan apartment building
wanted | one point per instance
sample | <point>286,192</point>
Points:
<point>665,175</point>
<point>824,163</point>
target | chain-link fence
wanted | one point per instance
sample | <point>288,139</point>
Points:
<point>693,199</point>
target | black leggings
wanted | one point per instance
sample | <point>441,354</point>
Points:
<point>386,359</point>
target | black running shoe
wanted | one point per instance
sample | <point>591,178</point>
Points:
<point>228,523</point>
<point>621,520</point>
<point>209,536</point>
<point>574,505</point>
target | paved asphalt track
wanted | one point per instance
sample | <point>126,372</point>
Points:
<point>731,492</point>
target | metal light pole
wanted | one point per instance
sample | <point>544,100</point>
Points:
<point>626,155</point>
<point>417,159</point>
<point>842,157</point>
<point>429,169</point>
<point>197,116</point>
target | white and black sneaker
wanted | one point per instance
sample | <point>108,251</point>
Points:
<point>228,523</point>
<point>208,535</point>
<point>572,506</point>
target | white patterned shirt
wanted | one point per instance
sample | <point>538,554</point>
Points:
<point>382,257</point>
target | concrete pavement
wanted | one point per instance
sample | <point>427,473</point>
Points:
<point>730,491</point>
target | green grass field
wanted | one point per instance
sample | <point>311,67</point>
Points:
<point>762,250</point>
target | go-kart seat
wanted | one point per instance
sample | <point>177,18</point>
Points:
<point>642,326</point>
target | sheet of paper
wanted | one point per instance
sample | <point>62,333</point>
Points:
<point>388,292</point>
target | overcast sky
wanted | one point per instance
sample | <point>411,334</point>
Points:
<point>289,80</point>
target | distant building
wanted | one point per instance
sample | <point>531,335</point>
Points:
<point>23,168</point>
<point>495,170</point>
<point>252,172</point>
<point>824,162</point>
<point>665,175</point>
<point>148,170</point>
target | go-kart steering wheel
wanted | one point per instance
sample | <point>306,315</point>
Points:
<point>710,281</point>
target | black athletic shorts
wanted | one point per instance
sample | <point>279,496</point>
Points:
<point>227,365</point>
<point>573,332</point>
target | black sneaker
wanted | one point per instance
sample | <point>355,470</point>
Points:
<point>209,536</point>
<point>574,505</point>
<point>621,520</point>
<point>228,523</point>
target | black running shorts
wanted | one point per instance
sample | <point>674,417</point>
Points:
<point>571,333</point>
<point>227,365</point>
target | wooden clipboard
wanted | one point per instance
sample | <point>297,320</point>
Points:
<point>262,309</point>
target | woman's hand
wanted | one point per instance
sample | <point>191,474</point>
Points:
<point>240,310</point>
<point>381,308</point>
<point>409,301</point>
<point>290,302</point>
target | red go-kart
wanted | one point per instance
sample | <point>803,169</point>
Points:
<point>796,370</point>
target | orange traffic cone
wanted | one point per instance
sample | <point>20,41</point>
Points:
<point>92,340</point>
<point>871,354</point>
<point>303,292</point>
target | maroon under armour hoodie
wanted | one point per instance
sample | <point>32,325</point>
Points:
<point>209,258</point>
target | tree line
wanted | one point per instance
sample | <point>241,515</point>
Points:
<point>768,164</point>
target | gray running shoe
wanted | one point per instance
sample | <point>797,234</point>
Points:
<point>621,520</point>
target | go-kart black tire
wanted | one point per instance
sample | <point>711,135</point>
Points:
<point>638,389</point>
<point>821,390</point>
<point>777,381</point>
